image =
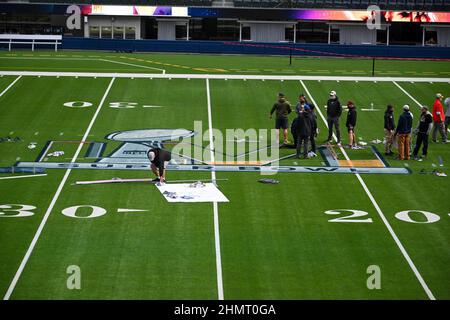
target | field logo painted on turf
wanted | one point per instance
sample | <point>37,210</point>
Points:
<point>74,280</point>
<point>374,20</point>
<point>374,280</point>
<point>236,147</point>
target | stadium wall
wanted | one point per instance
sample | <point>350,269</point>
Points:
<point>219,47</point>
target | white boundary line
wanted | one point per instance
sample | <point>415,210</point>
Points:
<point>26,176</point>
<point>10,85</point>
<point>55,198</point>
<point>378,209</point>
<point>215,205</point>
<point>85,59</point>
<point>134,65</point>
<point>215,76</point>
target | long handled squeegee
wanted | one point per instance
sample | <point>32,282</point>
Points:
<point>120,180</point>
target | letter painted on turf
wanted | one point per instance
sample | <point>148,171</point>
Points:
<point>74,280</point>
<point>374,280</point>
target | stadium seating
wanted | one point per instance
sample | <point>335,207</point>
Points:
<point>426,5</point>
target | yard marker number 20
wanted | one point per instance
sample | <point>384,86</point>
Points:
<point>355,216</point>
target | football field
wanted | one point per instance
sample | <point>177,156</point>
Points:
<point>315,235</point>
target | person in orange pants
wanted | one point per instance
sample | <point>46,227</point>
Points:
<point>403,133</point>
<point>404,146</point>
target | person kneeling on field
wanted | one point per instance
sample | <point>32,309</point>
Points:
<point>303,130</point>
<point>423,131</point>
<point>403,132</point>
<point>159,159</point>
<point>351,124</point>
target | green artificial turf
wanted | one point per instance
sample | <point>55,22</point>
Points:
<point>276,241</point>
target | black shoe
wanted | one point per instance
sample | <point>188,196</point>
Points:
<point>156,180</point>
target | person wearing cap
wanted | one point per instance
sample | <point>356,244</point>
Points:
<point>303,130</point>
<point>334,111</point>
<point>159,159</point>
<point>389,129</point>
<point>438,119</point>
<point>423,130</point>
<point>351,124</point>
<point>282,109</point>
<point>447,114</point>
<point>403,133</point>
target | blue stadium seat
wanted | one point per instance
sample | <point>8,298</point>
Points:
<point>420,4</point>
<point>392,3</point>
<point>299,3</point>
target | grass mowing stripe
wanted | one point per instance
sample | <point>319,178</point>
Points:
<point>9,87</point>
<point>406,92</point>
<point>55,198</point>
<point>215,205</point>
<point>378,209</point>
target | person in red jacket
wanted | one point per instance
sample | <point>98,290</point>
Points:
<point>439,119</point>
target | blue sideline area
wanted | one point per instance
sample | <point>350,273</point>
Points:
<point>392,51</point>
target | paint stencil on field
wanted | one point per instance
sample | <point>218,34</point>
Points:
<point>185,192</point>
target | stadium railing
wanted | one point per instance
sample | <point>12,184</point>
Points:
<point>30,39</point>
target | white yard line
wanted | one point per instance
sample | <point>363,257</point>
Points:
<point>10,85</point>
<point>55,198</point>
<point>26,176</point>
<point>406,92</point>
<point>378,209</point>
<point>45,152</point>
<point>216,76</point>
<point>215,205</point>
<point>134,65</point>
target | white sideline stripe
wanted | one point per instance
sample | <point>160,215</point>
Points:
<point>10,85</point>
<point>84,59</point>
<point>133,65</point>
<point>215,206</point>
<point>55,198</point>
<point>378,209</point>
<point>215,76</point>
<point>26,176</point>
<point>406,92</point>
